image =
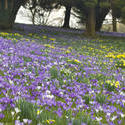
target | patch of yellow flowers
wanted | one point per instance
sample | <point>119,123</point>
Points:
<point>123,60</point>
<point>113,83</point>
<point>77,61</point>
<point>44,37</point>
<point>38,112</point>
<point>121,56</point>
<point>50,121</point>
<point>74,60</point>
<point>70,48</point>
<point>17,34</point>
<point>50,46</point>
<point>10,34</point>
<point>68,51</point>
<point>4,34</point>
<point>52,39</point>
<point>111,55</point>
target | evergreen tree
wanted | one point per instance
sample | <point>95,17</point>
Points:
<point>86,9</point>
<point>118,12</point>
<point>102,8</point>
<point>8,11</point>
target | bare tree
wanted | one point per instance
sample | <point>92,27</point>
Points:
<point>39,14</point>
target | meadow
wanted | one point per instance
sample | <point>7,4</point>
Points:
<point>61,78</point>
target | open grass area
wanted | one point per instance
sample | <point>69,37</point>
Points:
<point>59,80</point>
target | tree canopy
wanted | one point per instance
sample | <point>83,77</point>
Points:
<point>90,12</point>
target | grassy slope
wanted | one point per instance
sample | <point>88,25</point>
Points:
<point>98,47</point>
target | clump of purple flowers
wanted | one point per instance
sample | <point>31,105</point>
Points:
<point>59,82</point>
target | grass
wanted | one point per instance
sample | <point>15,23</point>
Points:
<point>61,81</point>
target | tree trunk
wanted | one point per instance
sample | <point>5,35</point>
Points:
<point>114,23</point>
<point>100,17</point>
<point>33,12</point>
<point>8,12</point>
<point>67,16</point>
<point>90,22</point>
<point>5,12</point>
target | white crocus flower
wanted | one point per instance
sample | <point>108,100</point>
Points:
<point>122,115</point>
<point>18,117</point>
<point>100,108</point>
<point>38,87</point>
<point>61,93</point>
<point>98,118</point>
<point>108,114</point>
<point>25,120</point>
<point>11,82</point>
<point>17,110</point>
<point>122,93</point>
<point>113,118</point>
<point>123,101</point>
<point>50,96</point>
<point>12,113</point>
<point>66,116</point>
<point>0,110</point>
<point>96,110</point>
<point>48,92</point>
